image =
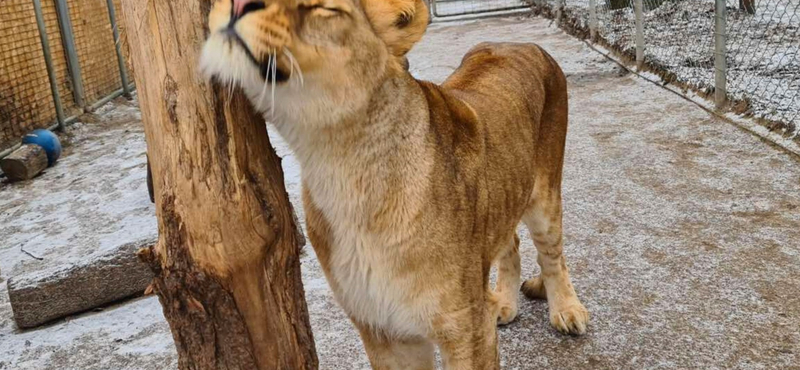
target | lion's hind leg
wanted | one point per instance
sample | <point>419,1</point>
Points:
<point>567,314</point>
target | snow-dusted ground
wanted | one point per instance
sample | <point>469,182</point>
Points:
<point>763,49</point>
<point>93,201</point>
<point>681,234</point>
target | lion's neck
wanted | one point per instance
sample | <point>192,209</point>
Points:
<point>374,156</point>
<point>385,121</point>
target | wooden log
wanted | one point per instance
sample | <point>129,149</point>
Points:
<point>227,260</point>
<point>24,163</point>
<point>42,296</point>
<point>748,6</point>
<point>618,4</point>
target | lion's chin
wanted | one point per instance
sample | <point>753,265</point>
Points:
<point>226,57</point>
<point>228,62</point>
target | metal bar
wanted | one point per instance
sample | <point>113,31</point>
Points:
<point>68,41</point>
<point>720,54</point>
<point>48,60</point>
<point>123,73</point>
<point>10,150</point>
<point>67,122</point>
<point>430,11</point>
<point>638,8</point>
<point>593,19</point>
<point>73,119</point>
<point>471,12</point>
<point>109,98</point>
<point>52,127</point>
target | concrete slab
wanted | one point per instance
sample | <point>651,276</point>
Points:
<point>43,296</point>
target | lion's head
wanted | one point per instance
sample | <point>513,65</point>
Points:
<point>297,52</point>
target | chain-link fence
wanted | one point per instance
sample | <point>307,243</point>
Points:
<point>58,58</point>
<point>744,53</point>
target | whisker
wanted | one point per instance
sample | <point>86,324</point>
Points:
<point>291,67</point>
<point>295,65</point>
<point>274,73</point>
<point>266,83</point>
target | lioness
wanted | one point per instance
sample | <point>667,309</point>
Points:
<point>411,190</point>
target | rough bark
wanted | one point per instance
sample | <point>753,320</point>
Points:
<point>24,163</point>
<point>748,6</point>
<point>227,260</point>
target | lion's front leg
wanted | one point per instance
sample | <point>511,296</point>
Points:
<point>508,279</point>
<point>467,338</point>
<point>388,353</point>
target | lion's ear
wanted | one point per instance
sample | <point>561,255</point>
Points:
<point>400,23</point>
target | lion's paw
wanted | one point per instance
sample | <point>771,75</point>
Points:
<point>507,314</point>
<point>572,319</point>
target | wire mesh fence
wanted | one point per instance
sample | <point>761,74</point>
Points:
<point>25,96</point>
<point>753,44</point>
<point>57,58</point>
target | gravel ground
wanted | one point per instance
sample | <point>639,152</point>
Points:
<point>681,234</point>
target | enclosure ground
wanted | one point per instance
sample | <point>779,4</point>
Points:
<point>681,235</point>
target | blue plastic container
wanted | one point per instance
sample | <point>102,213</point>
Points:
<point>48,141</point>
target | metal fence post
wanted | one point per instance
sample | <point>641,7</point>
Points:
<point>638,8</point>
<point>123,74</point>
<point>68,40</point>
<point>48,60</point>
<point>559,11</point>
<point>720,54</point>
<point>593,19</point>
<point>430,10</point>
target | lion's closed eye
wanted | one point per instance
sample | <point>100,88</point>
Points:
<point>323,10</point>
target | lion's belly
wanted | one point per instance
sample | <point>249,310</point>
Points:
<point>371,291</point>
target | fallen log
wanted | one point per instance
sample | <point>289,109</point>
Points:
<point>24,163</point>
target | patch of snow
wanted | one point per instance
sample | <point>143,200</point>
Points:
<point>92,201</point>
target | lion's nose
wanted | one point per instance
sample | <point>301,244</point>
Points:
<point>242,7</point>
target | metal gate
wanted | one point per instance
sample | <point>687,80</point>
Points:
<point>454,8</point>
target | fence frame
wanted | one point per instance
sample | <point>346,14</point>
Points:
<point>435,10</point>
<point>720,54</point>
<point>783,130</point>
<point>48,60</point>
<point>123,73</point>
<point>73,66</point>
<point>68,41</point>
<point>638,8</point>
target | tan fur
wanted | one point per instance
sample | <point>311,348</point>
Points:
<point>413,191</point>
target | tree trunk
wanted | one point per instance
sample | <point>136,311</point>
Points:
<point>748,6</point>
<point>227,260</point>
